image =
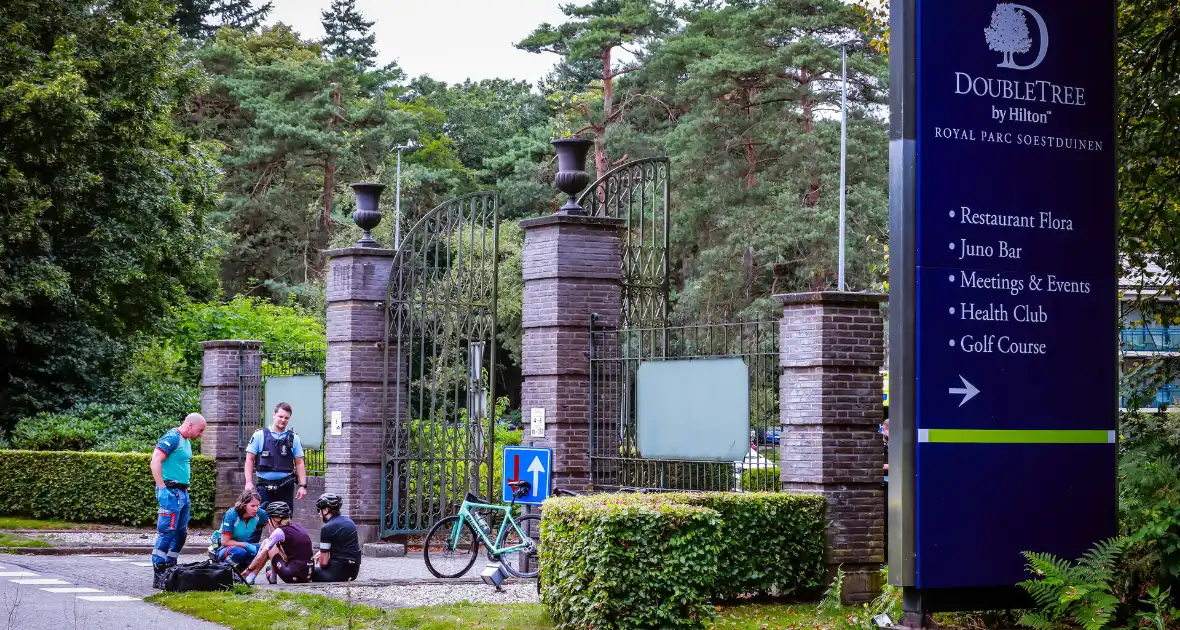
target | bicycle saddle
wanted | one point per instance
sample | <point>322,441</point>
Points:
<point>471,498</point>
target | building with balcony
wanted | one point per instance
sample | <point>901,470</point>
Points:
<point>1145,336</point>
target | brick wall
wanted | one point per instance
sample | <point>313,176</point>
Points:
<point>220,384</point>
<point>571,269</point>
<point>832,346</point>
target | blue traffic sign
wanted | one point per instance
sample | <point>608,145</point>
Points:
<point>527,463</point>
<point>1015,384</point>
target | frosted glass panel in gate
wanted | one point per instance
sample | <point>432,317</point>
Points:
<point>306,396</point>
<point>696,409</point>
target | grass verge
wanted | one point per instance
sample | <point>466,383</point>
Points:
<point>12,540</point>
<point>246,608</point>
<point>17,522</point>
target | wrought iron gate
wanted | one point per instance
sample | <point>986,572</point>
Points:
<point>439,364</point>
<point>637,192</point>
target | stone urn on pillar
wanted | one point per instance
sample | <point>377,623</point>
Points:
<point>571,170</point>
<point>367,214</point>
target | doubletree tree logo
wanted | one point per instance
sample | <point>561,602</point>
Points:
<point>1009,34</point>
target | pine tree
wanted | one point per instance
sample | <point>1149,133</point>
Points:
<point>349,34</point>
<point>594,32</point>
<point>200,19</point>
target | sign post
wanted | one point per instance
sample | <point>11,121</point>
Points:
<point>533,464</point>
<point>1003,308</point>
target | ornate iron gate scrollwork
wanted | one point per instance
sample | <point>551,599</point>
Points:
<point>637,192</point>
<point>440,333</point>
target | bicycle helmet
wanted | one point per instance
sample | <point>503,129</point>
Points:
<point>329,500</point>
<point>278,509</point>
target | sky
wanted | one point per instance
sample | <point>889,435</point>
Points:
<point>451,40</point>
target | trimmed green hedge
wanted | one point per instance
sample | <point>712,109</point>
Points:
<point>93,487</point>
<point>771,542</point>
<point>634,560</point>
<point>619,561</point>
<point>760,479</point>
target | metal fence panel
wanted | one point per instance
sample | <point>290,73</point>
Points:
<point>254,371</point>
<point>615,356</point>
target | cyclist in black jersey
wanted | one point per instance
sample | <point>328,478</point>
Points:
<point>339,557</point>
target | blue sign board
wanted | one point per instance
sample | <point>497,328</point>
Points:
<point>527,463</point>
<point>1016,377</point>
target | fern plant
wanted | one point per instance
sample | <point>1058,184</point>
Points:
<point>1071,595</point>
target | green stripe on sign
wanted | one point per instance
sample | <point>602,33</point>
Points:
<point>1016,436</point>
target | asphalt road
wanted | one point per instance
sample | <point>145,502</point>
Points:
<point>74,592</point>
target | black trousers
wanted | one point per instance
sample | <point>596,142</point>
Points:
<point>277,490</point>
<point>336,571</point>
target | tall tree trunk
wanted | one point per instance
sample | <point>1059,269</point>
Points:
<point>811,199</point>
<point>330,166</point>
<point>751,163</point>
<point>608,101</point>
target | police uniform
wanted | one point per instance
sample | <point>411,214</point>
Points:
<point>274,464</point>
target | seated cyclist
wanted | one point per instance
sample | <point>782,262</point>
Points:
<point>339,557</point>
<point>241,529</point>
<point>288,548</point>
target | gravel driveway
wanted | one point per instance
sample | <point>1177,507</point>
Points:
<point>403,596</point>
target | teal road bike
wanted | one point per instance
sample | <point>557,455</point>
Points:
<point>452,545</point>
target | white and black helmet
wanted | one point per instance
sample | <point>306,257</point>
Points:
<point>329,500</point>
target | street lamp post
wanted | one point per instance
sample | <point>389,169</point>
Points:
<point>397,197</point>
<point>843,149</point>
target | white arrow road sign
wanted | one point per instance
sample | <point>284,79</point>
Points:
<point>968,392</point>
<point>536,468</point>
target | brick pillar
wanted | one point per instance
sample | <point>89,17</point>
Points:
<point>358,279</point>
<point>229,368</point>
<point>570,265</point>
<point>832,348</point>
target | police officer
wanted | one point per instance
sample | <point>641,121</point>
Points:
<point>278,454</point>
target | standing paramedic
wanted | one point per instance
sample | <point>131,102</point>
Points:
<point>171,471</point>
<point>278,454</point>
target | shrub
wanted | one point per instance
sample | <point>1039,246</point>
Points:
<point>132,423</point>
<point>281,328</point>
<point>626,561</point>
<point>771,542</point>
<point>93,487</point>
<point>758,479</point>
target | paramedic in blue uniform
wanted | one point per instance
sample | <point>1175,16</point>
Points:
<point>171,471</point>
<point>277,455</point>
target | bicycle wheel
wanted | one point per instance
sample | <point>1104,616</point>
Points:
<point>524,563</point>
<point>447,560</point>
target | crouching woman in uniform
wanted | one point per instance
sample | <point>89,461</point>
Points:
<point>241,529</point>
<point>288,548</point>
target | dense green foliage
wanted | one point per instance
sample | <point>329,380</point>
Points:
<point>771,543</point>
<point>132,423</point>
<point>173,352</point>
<point>620,561</point>
<point>761,543</point>
<point>762,479</point>
<point>104,204</point>
<point>117,487</point>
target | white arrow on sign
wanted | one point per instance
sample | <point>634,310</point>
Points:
<point>536,468</point>
<point>967,392</point>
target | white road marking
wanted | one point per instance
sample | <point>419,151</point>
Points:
<point>17,574</point>
<point>115,559</point>
<point>38,581</point>
<point>72,589</point>
<point>142,564</point>
<point>108,598</point>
